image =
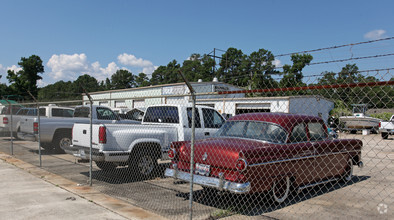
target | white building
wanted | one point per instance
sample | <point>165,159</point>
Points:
<point>230,104</point>
<point>308,105</point>
<point>161,94</point>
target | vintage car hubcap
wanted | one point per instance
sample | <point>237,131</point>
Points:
<point>280,189</point>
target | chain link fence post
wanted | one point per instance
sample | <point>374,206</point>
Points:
<point>192,143</point>
<point>11,132</point>
<point>38,131</point>
<point>90,135</point>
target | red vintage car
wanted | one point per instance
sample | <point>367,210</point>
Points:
<point>267,152</point>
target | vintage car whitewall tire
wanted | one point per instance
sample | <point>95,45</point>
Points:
<point>348,174</point>
<point>281,189</point>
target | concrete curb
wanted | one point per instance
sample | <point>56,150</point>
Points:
<point>86,192</point>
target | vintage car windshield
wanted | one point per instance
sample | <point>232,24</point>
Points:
<point>254,130</point>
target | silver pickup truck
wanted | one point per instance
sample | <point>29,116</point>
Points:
<point>55,133</point>
<point>23,115</point>
<point>140,146</point>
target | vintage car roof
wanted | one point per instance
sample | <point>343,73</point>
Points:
<point>285,120</point>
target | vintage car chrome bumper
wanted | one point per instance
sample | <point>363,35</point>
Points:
<point>217,183</point>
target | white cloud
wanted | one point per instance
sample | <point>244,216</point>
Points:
<point>149,70</point>
<point>66,66</point>
<point>102,73</point>
<point>131,60</point>
<point>41,83</point>
<point>4,71</point>
<point>375,34</point>
<point>14,68</point>
<point>277,63</point>
<point>70,67</point>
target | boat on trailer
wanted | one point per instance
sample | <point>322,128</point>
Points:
<point>359,120</point>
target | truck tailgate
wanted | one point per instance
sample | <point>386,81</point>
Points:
<point>81,135</point>
<point>26,125</point>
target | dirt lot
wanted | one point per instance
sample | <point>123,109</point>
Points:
<point>369,195</point>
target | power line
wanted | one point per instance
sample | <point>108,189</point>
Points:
<point>355,58</point>
<point>335,47</point>
<point>308,76</point>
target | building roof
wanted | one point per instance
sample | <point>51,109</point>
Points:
<point>265,98</point>
<point>4,102</point>
<point>164,85</point>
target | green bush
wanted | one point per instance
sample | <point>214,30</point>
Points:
<point>385,116</point>
<point>340,109</point>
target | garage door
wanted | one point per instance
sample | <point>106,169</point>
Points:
<point>252,107</point>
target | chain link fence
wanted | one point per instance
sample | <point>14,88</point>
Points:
<point>318,151</point>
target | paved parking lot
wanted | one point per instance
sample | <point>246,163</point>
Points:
<point>369,195</point>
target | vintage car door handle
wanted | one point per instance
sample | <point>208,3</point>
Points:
<point>206,133</point>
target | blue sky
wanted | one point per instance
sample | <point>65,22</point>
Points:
<point>99,37</point>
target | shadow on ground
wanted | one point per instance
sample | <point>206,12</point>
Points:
<point>123,175</point>
<point>258,204</point>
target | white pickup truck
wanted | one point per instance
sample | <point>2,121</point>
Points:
<point>55,133</point>
<point>140,146</point>
<point>387,127</point>
<point>23,114</point>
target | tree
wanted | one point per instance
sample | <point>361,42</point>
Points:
<point>207,68</point>
<point>349,74</point>
<point>261,69</point>
<point>171,75</point>
<point>167,74</point>
<point>107,85</point>
<point>198,67</point>
<point>58,91</point>
<point>328,78</point>
<point>122,79</point>
<point>26,79</point>
<point>293,74</point>
<point>158,76</point>
<point>234,68</point>
<point>141,80</point>
<point>88,82</point>
<point>192,68</point>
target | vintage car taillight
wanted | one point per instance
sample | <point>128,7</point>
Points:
<point>35,127</point>
<point>241,164</point>
<point>5,120</point>
<point>171,154</point>
<point>182,149</point>
<point>102,135</point>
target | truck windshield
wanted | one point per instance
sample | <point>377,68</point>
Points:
<point>162,114</point>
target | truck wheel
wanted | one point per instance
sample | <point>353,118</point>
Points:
<point>281,189</point>
<point>105,166</point>
<point>385,135</point>
<point>62,141</point>
<point>144,164</point>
